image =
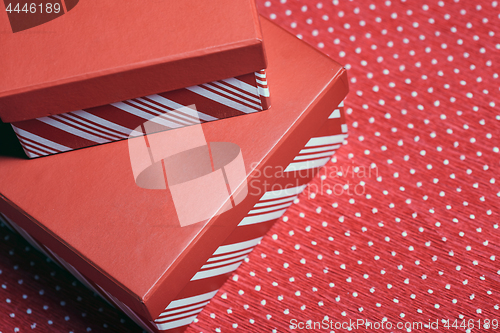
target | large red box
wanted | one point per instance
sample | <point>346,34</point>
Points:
<point>89,74</point>
<point>86,210</point>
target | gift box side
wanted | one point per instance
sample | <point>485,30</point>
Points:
<point>286,150</point>
<point>312,114</point>
<point>226,259</point>
<point>216,100</point>
<point>203,286</point>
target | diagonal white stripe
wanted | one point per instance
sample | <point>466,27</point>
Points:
<point>316,150</point>
<point>31,148</point>
<point>165,101</point>
<point>283,192</point>
<point>215,272</point>
<point>178,315</point>
<point>191,300</point>
<point>237,246</point>
<point>261,218</point>
<point>335,114</point>
<point>236,254</point>
<point>166,313</point>
<point>268,209</point>
<point>242,85</point>
<point>264,92</point>
<point>34,137</point>
<point>132,110</point>
<point>178,107</point>
<point>30,153</point>
<point>98,127</point>
<point>33,144</point>
<point>72,123</point>
<point>163,108</point>
<point>228,94</point>
<point>221,99</point>
<point>179,114</point>
<point>103,122</point>
<point>274,202</point>
<point>162,114</point>
<point>252,97</point>
<point>341,105</point>
<point>312,156</point>
<point>325,140</point>
<point>166,115</point>
<point>174,324</point>
<point>225,262</point>
<point>261,75</point>
<point>33,155</point>
<point>296,166</point>
<point>72,130</point>
<point>261,82</point>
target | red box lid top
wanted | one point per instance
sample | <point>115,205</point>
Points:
<point>97,52</point>
<point>89,200</point>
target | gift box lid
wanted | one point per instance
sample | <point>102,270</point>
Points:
<point>97,52</point>
<point>87,207</point>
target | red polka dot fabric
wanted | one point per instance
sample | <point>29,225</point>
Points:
<point>398,233</point>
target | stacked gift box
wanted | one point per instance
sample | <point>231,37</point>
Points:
<point>157,163</point>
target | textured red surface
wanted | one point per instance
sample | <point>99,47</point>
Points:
<point>413,238</point>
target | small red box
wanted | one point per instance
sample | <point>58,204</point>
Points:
<point>89,74</point>
<point>86,210</point>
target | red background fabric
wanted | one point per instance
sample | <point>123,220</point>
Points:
<point>401,225</point>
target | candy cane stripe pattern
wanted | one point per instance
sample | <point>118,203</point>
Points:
<point>183,311</point>
<point>262,85</point>
<point>226,259</point>
<point>272,205</point>
<point>318,150</point>
<point>113,122</point>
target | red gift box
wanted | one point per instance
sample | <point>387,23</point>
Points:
<point>95,70</point>
<point>94,214</point>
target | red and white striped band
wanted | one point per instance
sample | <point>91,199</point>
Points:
<point>112,122</point>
